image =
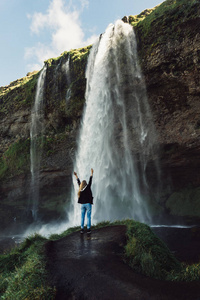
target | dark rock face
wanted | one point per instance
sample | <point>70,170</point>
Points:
<point>172,76</point>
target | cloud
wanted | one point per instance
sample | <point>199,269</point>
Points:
<point>62,23</point>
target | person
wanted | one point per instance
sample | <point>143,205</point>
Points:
<point>85,198</point>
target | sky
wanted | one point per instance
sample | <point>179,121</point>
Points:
<point>35,30</point>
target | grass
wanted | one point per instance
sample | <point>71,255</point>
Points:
<point>19,94</point>
<point>134,20</point>
<point>17,83</point>
<point>75,54</point>
<point>147,254</point>
<point>80,54</point>
<point>174,12</point>
<point>163,23</point>
<point>23,274</point>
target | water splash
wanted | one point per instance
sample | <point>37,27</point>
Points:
<point>117,137</point>
<point>36,134</point>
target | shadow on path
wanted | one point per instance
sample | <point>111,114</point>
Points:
<point>92,268</point>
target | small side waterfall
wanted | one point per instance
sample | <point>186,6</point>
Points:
<point>68,76</point>
<point>36,134</point>
<point>117,137</point>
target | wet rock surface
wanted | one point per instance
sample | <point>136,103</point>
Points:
<point>92,267</point>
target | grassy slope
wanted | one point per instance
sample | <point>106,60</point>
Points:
<point>24,276</point>
<point>163,23</point>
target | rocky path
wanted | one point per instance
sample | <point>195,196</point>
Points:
<point>92,268</point>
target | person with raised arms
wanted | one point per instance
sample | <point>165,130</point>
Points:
<point>85,198</point>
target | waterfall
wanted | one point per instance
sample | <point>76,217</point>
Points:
<point>68,76</point>
<point>117,137</point>
<point>36,134</point>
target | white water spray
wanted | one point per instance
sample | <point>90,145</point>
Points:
<point>66,68</point>
<point>36,134</point>
<point>117,137</point>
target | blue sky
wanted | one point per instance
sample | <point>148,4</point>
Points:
<point>35,30</point>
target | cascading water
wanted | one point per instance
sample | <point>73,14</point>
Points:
<point>67,71</point>
<point>117,137</point>
<point>36,134</point>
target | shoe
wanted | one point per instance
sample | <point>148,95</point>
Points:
<point>88,231</point>
<point>82,231</point>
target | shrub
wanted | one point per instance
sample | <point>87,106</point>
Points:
<point>146,253</point>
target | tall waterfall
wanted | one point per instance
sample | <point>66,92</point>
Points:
<point>117,137</point>
<point>36,134</point>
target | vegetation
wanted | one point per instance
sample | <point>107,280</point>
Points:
<point>23,274</point>
<point>147,254</point>
<point>19,94</point>
<point>16,159</point>
<point>163,23</point>
<point>80,54</point>
<point>184,202</point>
<point>134,20</point>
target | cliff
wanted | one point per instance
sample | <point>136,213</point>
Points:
<point>63,111</point>
<point>168,48</point>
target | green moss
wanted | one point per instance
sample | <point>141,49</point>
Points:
<point>163,23</point>
<point>18,95</point>
<point>133,20</point>
<point>17,83</point>
<point>55,204</point>
<point>79,54</point>
<point>75,54</point>
<point>52,61</point>
<point>185,202</point>
<point>16,159</point>
<point>187,273</point>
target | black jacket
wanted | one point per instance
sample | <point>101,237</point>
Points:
<point>86,194</point>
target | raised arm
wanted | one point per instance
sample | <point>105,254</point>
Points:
<point>78,180</point>
<point>90,180</point>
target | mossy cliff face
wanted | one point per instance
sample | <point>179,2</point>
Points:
<point>168,48</point>
<point>63,102</point>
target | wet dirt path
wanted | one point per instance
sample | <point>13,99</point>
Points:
<point>92,268</point>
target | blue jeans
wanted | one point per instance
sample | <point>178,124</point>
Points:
<point>86,207</point>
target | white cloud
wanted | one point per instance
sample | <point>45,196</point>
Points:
<point>62,22</point>
<point>84,3</point>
